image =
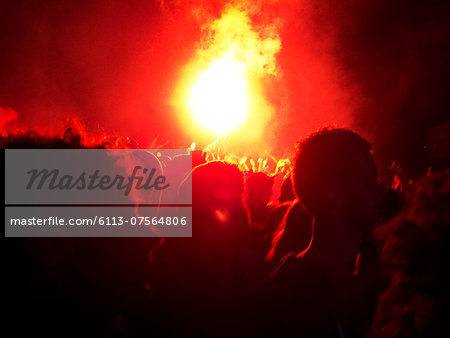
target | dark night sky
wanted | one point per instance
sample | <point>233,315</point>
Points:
<point>379,67</point>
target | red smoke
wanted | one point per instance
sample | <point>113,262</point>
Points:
<point>377,67</point>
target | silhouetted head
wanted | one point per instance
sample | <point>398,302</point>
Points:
<point>217,183</point>
<point>335,177</point>
<point>286,191</point>
<point>258,190</point>
<point>218,207</point>
<point>415,249</point>
<point>198,158</point>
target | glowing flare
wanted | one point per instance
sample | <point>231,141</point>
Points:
<point>222,88</point>
<point>219,98</point>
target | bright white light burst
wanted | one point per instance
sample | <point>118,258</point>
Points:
<point>219,98</point>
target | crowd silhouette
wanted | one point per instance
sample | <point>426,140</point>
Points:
<point>340,253</point>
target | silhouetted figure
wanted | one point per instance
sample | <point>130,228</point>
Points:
<point>282,226</point>
<point>290,225</point>
<point>293,234</point>
<point>393,183</point>
<point>201,285</point>
<point>75,286</point>
<point>415,248</point>
<point>257,193</point>
<point>314,293</point>
<point>287,193</point>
